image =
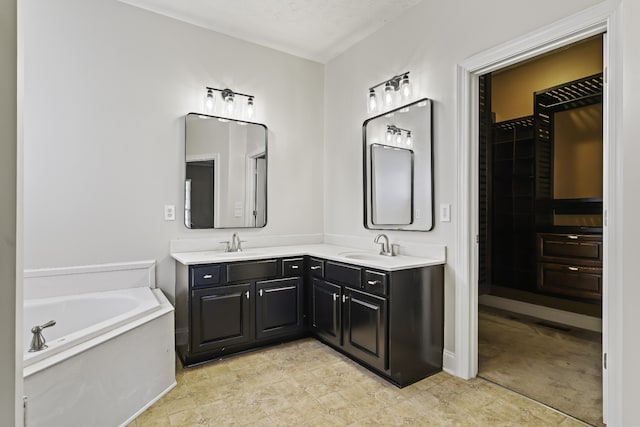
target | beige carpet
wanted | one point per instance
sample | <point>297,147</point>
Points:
<point>558,368</point>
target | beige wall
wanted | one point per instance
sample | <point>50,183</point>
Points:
<point>577,153</point>
<point>8,138</point>
<point>512,89</point>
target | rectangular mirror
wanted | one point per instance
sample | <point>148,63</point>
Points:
<point>398,178</point>
<point>225,182</point>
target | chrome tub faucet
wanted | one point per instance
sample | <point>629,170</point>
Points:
<point>38,341</point>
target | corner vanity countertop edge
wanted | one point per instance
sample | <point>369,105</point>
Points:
<point>343,254</point>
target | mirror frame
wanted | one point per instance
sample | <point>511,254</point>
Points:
<point>184,172</point>
<point>366,184</point>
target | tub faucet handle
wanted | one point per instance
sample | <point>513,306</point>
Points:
<point>38,341</point>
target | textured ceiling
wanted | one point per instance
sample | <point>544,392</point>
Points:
<point>313,29</point>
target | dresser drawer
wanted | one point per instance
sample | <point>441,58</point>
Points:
<point>342,273</point>
<point>571,248</point>
<point>572,280</point>
<point>292,267</point>
<point>316,267</point>
<point>375,282</point>
<point>208,275</point>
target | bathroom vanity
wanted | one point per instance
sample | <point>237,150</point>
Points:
<point>385,313</point>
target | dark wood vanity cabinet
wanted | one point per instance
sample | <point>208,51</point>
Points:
<point>391,322</point>
<point>239,305</point>
<point>570,264</point>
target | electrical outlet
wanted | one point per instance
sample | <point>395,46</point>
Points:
<point>169,212</point>
<point>445,212</point>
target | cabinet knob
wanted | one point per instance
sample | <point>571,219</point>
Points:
<point>247,294</point>
<point>373,282</point>
<point>573,268</point>
<point>261,291</point>
<point>315,267</point>
<point>344,298</point>
<point>335,297</point>
<point>207,276</point>
<point>294,267</point>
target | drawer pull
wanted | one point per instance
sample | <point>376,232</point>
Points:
<point>207,276</point>
<point>573,268</point>
<point>373,282</point>
<point>573,237</point>
<point>247,294</point>
<point>315,267</point>
<point>285,288</point>
<point>294,267</point>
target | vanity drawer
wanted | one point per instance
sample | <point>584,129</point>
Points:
<point>208,275</point>
<point>375,282</point>
<point>570,248</point>
<point>292,267</point>
<point>252,270</point>
<point>342,273</point>
<point>577,281</point>
<point>316,267</point>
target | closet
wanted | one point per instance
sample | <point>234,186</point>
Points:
<point>541,194</point>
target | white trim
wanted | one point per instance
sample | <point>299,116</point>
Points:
<point>449,362</point>
<point>83,269</point>
<point>576,320</point>
<point>591,21</point>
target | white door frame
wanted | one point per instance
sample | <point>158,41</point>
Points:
<point>595,20</point>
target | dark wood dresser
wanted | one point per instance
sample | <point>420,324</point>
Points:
<point>570,264</point>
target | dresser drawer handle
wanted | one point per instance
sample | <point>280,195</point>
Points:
<point>573,237</point>
<point>573,268</point>
<point>315,267</point>
<point>294,267</point>
<point>373,282</point>
<point>207,276</point>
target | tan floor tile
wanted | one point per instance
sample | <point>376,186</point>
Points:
<point>306,383</point>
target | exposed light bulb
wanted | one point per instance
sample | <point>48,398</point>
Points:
<point>409,140</point>
<point>209,101</point>
<point>373,102</point>
<point>388,94</point>
<point>405,86</point>
<point>228,99</point>
<point>399,137</point>
<point>250,107</point>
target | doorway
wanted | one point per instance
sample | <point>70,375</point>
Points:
<point>540,176</point>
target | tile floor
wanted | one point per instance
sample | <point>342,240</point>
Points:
<point>305,383</point>
<point>560,368</point>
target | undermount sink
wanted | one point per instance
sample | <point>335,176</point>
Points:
<point>233,254</point>
<point>363,256</point>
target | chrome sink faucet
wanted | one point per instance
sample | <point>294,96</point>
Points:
<point>386,248</point>
<point>235,245</point>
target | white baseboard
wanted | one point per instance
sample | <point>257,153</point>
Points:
<point>545,313</point>
<point>449,362</point>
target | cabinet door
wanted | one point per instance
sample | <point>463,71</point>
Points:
<point>221,317</point>
<point>365,327</point>
<point>326,311</point>
<point>279,307</point>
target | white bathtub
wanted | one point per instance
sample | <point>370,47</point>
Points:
<point>79,318</point>
<point>109,356</point>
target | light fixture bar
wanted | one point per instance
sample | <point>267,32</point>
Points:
<point>393,81</point>
<point>229,90</point>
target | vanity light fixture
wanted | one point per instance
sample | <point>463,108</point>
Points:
<point>399,83</point>
<point>228,102</point>
<point>395,134</point>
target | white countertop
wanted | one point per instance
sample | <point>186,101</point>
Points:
<point>336,253</point>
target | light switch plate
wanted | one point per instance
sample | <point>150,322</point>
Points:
<point>445,212</point>
<point>169,212</point>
